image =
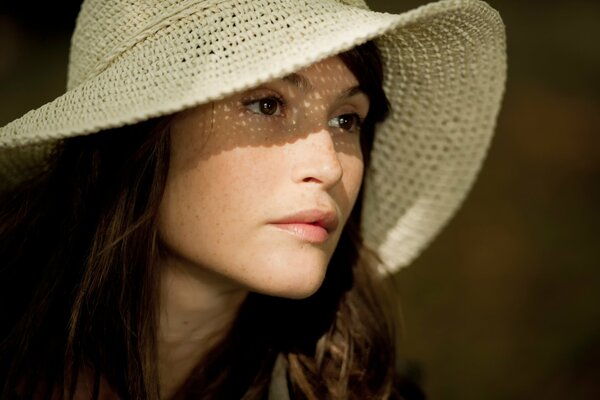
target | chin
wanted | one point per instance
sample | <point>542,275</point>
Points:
<point>293,284</point>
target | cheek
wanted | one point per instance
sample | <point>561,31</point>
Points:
<point>218,192</point>
<point>201,217</point>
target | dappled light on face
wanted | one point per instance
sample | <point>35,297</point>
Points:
<point>297,106</point>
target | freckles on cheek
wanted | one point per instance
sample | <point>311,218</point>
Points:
<point>257,167</point>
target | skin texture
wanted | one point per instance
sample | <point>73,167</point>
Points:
<point>238,166</point>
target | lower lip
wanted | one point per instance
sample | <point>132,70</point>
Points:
<point>306,232</point>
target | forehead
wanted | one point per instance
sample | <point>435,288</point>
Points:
<point>328,72</point>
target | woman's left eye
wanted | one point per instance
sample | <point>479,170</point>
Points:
<point>347,122</point>
<point>270,106</point>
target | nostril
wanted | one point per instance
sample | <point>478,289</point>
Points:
<point>311,179</point>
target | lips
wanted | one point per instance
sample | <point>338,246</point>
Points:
<point>313,226</point>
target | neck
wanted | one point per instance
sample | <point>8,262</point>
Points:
<point>197,308</point>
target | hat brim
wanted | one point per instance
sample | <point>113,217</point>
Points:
<point>444,67</point>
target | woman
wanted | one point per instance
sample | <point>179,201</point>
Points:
<point>189,220</point>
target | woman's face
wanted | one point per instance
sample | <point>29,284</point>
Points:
<point>261,183</point>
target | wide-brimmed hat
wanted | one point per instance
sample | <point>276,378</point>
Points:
<point>444,74</point>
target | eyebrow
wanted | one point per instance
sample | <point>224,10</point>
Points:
<point>299,81</point>
<point>354,90</point>
<point>304,84</point>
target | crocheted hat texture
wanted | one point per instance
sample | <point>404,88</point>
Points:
<point>444,73</point>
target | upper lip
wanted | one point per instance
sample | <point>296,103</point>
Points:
<point>326,219</point>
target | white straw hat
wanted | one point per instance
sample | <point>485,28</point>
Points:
<point>444,74</point>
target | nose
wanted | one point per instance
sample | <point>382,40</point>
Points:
<point>318,161</point>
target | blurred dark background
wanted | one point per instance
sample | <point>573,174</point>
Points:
<point>506,302</point>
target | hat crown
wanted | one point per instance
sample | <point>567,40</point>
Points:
<point>107,28</point>
<point>104,27</point>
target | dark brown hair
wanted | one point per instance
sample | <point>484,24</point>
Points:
<point>79,284</point>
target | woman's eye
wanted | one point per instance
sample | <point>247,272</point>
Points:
<point>347,122</point>
<point>265,106</point>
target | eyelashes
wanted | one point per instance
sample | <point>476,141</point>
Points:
<point>271,106</point>
<point>351,122</point>
<point>268,105</point>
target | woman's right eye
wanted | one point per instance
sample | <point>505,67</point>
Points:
<point>270,106</point>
